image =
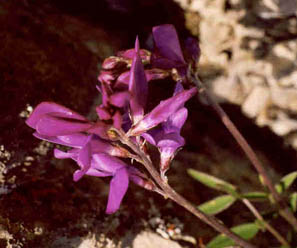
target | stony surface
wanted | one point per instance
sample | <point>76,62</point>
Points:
<point>249,54</point>
<point>150,240</point>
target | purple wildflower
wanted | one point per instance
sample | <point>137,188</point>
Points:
<point>162,112</point>
<point>123,84</point>
<point>168,53</point>
<point>167,136</point>
<point>137,87</point>
<point>94,155</point>
<point>105,165</point>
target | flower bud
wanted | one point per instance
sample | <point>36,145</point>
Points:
<point>106,77</point>
<point>112,63</point>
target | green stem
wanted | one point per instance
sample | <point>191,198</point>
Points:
<point>284,209</point>
<point>274,232</point>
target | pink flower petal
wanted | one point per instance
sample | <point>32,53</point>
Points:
<point>175,122</point>
<point>49,107</point>
<point>160,113</point>
<point>120,99</point>
<point>57,124</point>
<point>107,163</point>
<point>103,113</point>
<point>118,188</point>
<point>137,86</point>
<point>167,43</point>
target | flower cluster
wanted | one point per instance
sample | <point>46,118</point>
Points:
<point>123,83</point>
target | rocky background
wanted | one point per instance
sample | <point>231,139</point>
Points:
<point>51,50</point>
<point>249,57</point>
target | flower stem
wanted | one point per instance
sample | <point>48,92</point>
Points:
<point>283,208</point>
<point>173,195</point>
<point>274,232</point>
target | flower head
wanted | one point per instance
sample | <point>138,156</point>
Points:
<point>94,155</point>
<point>123,84</point>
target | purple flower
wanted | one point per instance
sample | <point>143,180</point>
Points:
<point>50,119</point>
<point>124,98</point>
<point>167,136</point>
<point>170,114</point>
<point>162,112</point>
<point>137,87</point>
<point>94,155</point>
<point>168,53</point>
<point>105,165</point>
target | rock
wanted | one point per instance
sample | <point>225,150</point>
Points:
<point>256,101</point>
<point>256,59</point>
<point>151,240</point>
<point>276,8</point>
<point>283,125</point>
<point>285,98</point>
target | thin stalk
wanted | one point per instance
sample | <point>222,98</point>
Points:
<point>274,232</point>
<point>284,209</point>
<point>170,193</point>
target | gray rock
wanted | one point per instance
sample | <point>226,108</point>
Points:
<point>151,240</point>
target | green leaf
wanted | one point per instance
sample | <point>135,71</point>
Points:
<point>286,182</point>
<point>212,182</point>
<point>293,201</point>
<point>246,231</point>
<point>256,195</point>
<point>217,204</point>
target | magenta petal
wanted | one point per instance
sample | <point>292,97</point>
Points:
<point>51,139</point>
<point>192,49</point>
<point>149,138</point>
<point>167,43</point>
<point>107,163</point>
<point>117,120</point>
<point>99,145</point>
<point>96,173</point>
<point>173,140</point>
<point>106,77</point>
<point>123,80</point>
<point>103,113</point>
<point>70,154</point>
<point>78,174</point>
<point>118,188</point>
<point>49,107</point>
<point>137,86</point>
<point>100,128</point>
<point>120,99</point>
<point>84,161</point>
<point>54,124</point>
<point>178,88</point>
<point>74,140</point>
<point>105,91</point>
<point>160,113</point>
<point>175,122</point>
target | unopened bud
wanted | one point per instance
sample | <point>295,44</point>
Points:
<point>113,63</point>
<point>145,55</point>
<point>106,77</point>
